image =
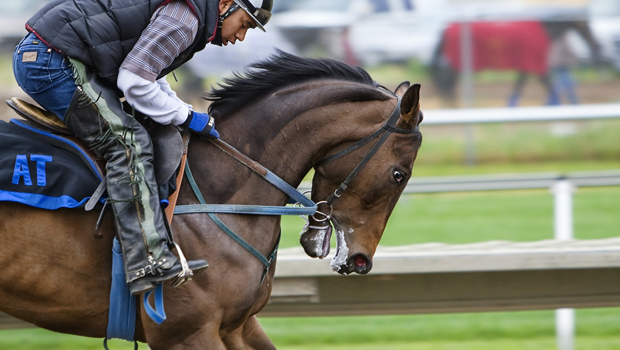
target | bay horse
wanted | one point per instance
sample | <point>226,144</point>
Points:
<point>286,113</point>
<point>523,46</point>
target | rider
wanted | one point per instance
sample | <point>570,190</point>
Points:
<point>81,56</point>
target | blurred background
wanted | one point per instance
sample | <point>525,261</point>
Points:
<point>512,56</point>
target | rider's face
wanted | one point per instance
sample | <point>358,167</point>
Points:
<point>235,26</point>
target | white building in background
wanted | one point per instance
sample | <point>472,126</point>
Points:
<point>396,30</point>
<point>604,18</point>
<point>411,28</point>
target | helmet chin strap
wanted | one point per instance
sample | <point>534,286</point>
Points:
<point>218,35</point>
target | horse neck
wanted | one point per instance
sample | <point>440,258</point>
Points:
<point>287,134</point>
<point>290,131</point>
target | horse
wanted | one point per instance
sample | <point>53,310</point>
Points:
<point>522,46</point>
<point>288,114</point>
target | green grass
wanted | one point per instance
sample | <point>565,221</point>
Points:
<point>40,339</point>
<point>503,330</point>
<point>534,144</point>
<point>423,169</point>
<point>6,70</point>
<point>503,344</point>
<point>596,329</point>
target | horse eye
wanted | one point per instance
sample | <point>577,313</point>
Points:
<point>398,176</point>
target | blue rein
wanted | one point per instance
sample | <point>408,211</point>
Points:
<point>308,207</point>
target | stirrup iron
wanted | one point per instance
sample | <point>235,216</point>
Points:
<point>186,274</point>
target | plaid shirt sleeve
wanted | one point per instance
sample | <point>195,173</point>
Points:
<point>172,30</point>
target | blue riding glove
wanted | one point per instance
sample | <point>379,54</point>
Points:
<point>202,124</point>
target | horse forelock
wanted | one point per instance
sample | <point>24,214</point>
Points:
<point>282,71</point>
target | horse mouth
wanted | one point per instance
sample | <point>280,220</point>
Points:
<point>357,263</point>
<point>316,241</point>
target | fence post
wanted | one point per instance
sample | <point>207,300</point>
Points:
<point>563,209</point>
<point>467,65</point>
<point>467,87</point>
<point>563,228</point>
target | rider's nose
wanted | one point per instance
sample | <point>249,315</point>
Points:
<point>241,35</point>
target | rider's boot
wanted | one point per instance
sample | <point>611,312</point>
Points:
<point>96,117</point>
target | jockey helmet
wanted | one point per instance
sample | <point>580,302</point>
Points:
<point>259,10</point>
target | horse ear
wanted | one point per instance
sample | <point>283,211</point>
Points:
<point>402,88</point>
<point>410,105</point>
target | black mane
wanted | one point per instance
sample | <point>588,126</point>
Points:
<point>276,72</point>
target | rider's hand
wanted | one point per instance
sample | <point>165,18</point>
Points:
<point>202,124</point>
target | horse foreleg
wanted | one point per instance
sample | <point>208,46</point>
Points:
<point>250,336</point>
<point>517,89</point>
<point>201,339</point>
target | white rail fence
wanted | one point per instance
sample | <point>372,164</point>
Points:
<point>521,114</point>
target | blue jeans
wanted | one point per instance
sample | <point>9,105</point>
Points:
<point>44,74</point>
<point>565,84</point>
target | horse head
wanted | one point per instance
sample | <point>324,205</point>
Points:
<point>359,210</point>
<point>293,114</point>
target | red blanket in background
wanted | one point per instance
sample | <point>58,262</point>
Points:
<point>523,46</point>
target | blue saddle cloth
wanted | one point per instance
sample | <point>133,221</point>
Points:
<point>48,171</point>
<point>43,170</point>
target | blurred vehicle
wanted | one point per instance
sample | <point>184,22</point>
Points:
<point>604,18</point>
<point>397,31</point>
<point>309,23</point>
<point>13,17</point>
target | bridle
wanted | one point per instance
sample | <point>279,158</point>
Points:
<point>303,205</point>
<point>383,133</point>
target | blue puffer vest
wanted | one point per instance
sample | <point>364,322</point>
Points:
<point>101,33</point>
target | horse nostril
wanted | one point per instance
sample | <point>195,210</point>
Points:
<point>361,263</point>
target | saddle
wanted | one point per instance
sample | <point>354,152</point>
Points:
<point>46,127</point>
